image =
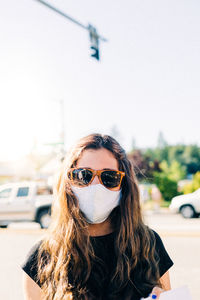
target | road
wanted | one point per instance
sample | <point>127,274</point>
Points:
<point>181,238</point>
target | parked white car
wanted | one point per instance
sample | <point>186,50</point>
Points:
<point>25,201</point>
<point>188,205</point>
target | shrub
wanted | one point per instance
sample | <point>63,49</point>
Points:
<point>194,185</point>
<point>167,187</point>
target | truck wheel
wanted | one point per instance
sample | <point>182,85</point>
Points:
<point>44,218</point>
<point>187,211</point>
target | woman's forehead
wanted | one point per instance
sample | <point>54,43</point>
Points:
<point>97,159</point>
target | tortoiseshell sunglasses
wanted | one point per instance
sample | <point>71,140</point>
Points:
<point>82,177</point>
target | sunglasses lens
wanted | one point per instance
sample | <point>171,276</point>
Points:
<point>110,179</point>
<point>81,177</point>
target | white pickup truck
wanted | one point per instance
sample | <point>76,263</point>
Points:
<point>25,201</point>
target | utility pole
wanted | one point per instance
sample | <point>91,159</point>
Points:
<point>94,36</point>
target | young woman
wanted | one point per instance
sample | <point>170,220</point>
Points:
<point>98,246</point>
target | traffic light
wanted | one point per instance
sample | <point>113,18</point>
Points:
<point>94,39</point>
<point>95,53</point>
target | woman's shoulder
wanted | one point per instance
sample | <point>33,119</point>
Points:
<point>153,236</point>
<point>157,237</point>
<point>34,248</point>
<point>30,264</point>
<point>165,261</point>
<point>158,240</point>
<point>32,254</point>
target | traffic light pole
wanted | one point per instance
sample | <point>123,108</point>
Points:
<point>94,36</point>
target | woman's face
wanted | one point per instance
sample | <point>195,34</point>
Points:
<point>98,160</point>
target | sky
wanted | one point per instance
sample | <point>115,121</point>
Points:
<point>146,81</point>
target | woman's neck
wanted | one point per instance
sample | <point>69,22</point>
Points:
<point>101,228</point>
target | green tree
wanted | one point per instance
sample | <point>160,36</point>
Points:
<point>174,171</point>
<point>191,157</point>
<point>187,156</point>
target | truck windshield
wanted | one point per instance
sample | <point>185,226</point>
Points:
<point>5,193</point>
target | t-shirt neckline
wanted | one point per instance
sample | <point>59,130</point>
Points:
<point>102,236</point>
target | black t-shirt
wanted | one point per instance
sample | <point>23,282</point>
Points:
<point>104,249</point>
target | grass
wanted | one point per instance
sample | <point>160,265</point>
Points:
<point>165,203</point>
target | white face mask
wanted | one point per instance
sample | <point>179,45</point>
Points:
<point>96,201</point>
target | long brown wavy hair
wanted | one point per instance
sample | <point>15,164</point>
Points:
<point>66,255</point>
